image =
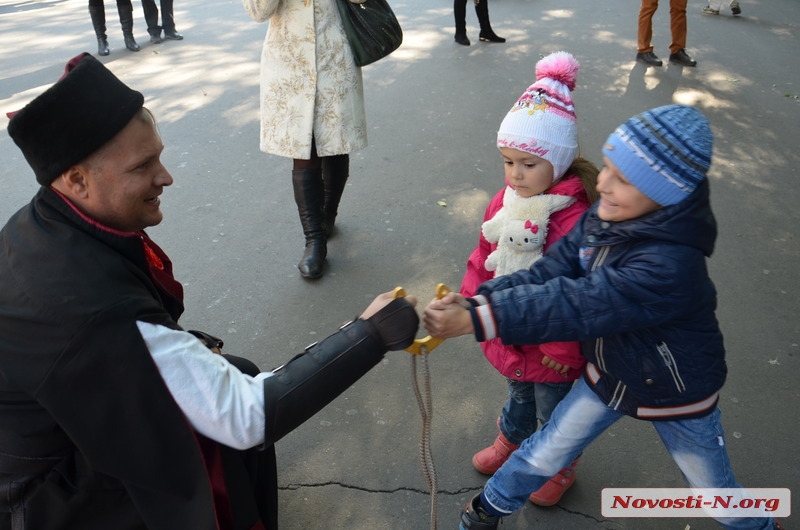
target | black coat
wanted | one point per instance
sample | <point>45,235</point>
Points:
<point>80,389</point>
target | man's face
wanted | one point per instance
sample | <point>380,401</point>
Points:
<point>125,178</point>
<point>619,199</point>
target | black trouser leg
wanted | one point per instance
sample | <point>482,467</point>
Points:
<point>482,10</point>
<point>167,20</point>
<point>460,15</point>
<point>151,17</point>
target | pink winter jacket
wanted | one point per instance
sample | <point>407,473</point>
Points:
<point>524,363</point>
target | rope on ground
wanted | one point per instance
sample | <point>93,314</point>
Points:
<point>425,403</point>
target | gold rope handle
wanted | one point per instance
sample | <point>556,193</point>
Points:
<point>429,343</point>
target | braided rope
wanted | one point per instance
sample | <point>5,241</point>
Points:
<point>426,411</point>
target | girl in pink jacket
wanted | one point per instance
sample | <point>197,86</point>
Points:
<point>538,142</point>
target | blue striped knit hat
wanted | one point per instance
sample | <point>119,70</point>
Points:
<point>665,152</point>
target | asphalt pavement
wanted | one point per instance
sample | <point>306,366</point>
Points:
<point>411,214</point>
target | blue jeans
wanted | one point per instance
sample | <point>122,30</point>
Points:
<point>529,403</point>
<point>696,445</point>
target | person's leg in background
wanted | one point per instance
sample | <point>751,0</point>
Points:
<point>677,26</point>
<point>97,12</point>
<point>309,194</point>
<point>168,21</point>
<point>125,10</point>
<point>644,52</point>
<point>460,15</point>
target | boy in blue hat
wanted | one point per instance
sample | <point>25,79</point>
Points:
<point>630,282</point>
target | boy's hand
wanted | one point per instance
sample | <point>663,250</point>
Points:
<point>554,365</point>
<point>448,317</point>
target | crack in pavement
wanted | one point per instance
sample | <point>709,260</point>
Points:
<point>293,487</point>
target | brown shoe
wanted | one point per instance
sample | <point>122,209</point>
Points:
<point>554,489</point>
<point>489,460</point>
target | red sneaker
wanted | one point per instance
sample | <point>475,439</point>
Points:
<point>489,460</point>
<point>554,489</point>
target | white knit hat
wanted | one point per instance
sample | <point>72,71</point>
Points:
<point>543,121</point>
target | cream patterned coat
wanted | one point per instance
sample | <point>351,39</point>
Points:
<point>309,81</point>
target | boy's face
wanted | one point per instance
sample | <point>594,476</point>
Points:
<point>528,174</point>
<point>619,199</point>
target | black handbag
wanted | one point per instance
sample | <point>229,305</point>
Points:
<point>371,28</point>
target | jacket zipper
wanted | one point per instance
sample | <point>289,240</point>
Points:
<point>672,366</point>
<point>598,345</point>
<point>598,353</point>
<point>619,394</point>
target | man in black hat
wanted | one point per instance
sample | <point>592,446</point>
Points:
<point>112,416</point>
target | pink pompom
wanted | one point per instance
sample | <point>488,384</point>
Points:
<point>559,66</point>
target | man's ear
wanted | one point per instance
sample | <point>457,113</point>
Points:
<point>73,182</point>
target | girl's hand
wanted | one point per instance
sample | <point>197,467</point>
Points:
<point>448,317</point>
<point>554,365</point>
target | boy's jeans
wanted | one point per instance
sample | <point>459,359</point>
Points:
<point>696,445</point>
<point>528,404</point>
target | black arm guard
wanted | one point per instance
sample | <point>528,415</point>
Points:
<point>314,378</point>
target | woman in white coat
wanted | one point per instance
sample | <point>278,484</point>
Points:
<point>312,110</point>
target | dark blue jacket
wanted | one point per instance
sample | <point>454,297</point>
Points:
<point>637,295</point>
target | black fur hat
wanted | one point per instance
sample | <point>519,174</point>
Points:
<point>73,118</point>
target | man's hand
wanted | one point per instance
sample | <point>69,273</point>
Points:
<point>395,320</point>
<point>448,317</point>
<point>381,301</point>
<point>211,342</point>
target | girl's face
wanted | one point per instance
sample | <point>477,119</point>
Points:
<point>528,174</point>
<point>619,199</point>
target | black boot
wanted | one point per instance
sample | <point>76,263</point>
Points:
<point>311,380</point>
<point>335,171</point>
<point>309,194</point>
<point>126,21</point>
<point>98,14</point>
<point>487,35</point>
<point>460,14</point>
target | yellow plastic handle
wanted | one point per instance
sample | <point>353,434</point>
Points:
<point>429,343</point>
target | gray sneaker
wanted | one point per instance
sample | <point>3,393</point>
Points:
<point>735,9</point>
